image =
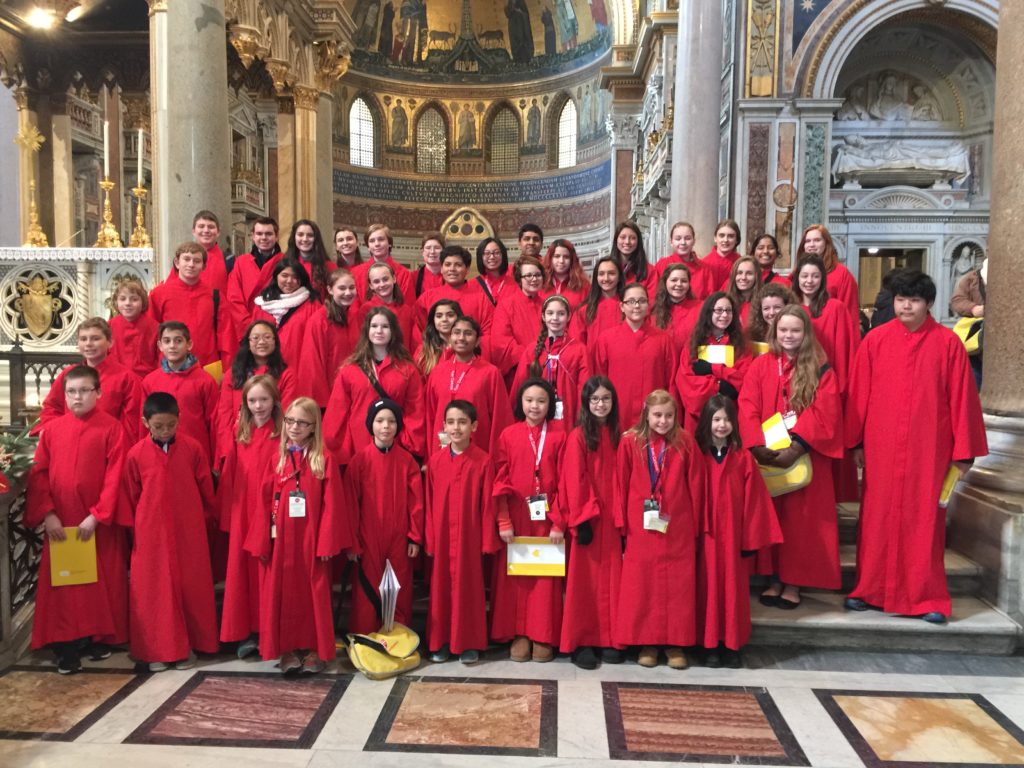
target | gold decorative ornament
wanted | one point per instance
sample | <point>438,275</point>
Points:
<point>30,139</point>
<point>108,236</point>
<point>140,237</point>
<point>37,304</point>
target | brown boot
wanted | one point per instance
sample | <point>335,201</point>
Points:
<point>520,649</point>
<point>543,652</point>
<point>676,658</point>
<point>648,656</point>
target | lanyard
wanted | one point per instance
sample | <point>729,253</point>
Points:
<point>295,467</point>
<point>552,362</point>
<point>538,453</point>
<point>654,469</point>
<point>784,382</point>
<point>499,285</point>
<point>453,385</point>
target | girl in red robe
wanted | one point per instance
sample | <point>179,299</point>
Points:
<point>659,503</point>
<point>602,308</point>
<point>769,302</point>
<point>494,276</point>
<point>461,525</point>
<point>675,309</point>
<point>383,291</point>
<point>744,286</point>
<point>380,367</point>
<point>766,251</point>
<point>383,481</point>
<point>628,250</point>
<point>795,381</point>
<point>841,283</point>
<point>467,376</point>
<point>563,273</point>
<point>513,330</point>
<point>331,335</point>
<point>300,524</point>
<point>740,521</point>
<point>246,466</point>
<point>587,490</point>
<point>289,303</point>
<point>697,380</point>
<point>721,258</point>
<point>436,333</point>
<point>306,246</point>
<point>133,328</point>
<point>635,355</point>
<point>702,281</point>
<point>528,609</point>
<point>557,358</point>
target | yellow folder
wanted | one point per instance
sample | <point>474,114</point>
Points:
<point>535,556</point>
<point>759,348</point>
<point>73,561</point>
<point>953,475</point>
<point>776,436</point>
<point>720,354</point>
<point>215,369</point>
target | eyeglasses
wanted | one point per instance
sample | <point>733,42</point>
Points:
<point>532,276</point>
<point>258,339</point>
<point>79,392</point>
<point>492,253</point>
<point>298,423</point>
<point>717,311</point>
<point>635,302</point>
<point>600,400</point>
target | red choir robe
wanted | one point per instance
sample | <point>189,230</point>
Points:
<point>295,591</point>
<point>229,405</point>
<point>493,288</point>
<point>809,553</point>
<point>608,316</point>
<point>461,525</point>
<point>197,396</point>
<point>637,362</point>
<point>167,498</point>
<point>291,328</point>
<point>403,277</point>
<point>741,520</point>
<point>842,286</point>
<point>472,301</point>
<point>650,282</point>
<point>564,365</point>
<point>514,329</point>
<point>528,606</point>
<point>696,389</point>
<point>744,314</point>
<point>575,298</point>
<point>587,492</point>
<point>771,276</point>
<point>386,490</point>
<point>702,277</point>
<point>720,266</point>
<point>326,347</point>
<point>318,289</point>
<point>215,273</point>
<point>837,332</point>
<point>424,281</point>
<point>405,313</point>
<point>245,282</point>
<point>682,320</point>
<point>134,344</point>
<point>246,466</point>
<point>480,383</point>
<point>352,395</point>
<point>208,321</point>
<point>76,472</point>
<point>914,407</point>
<point>657,590</point>
<point>120,395</point>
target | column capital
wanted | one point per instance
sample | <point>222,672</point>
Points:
<point>332,62</point>
<point>157,6</point>
<point>305,97</point>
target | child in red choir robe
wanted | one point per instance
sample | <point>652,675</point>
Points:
<point>195,390</point>
<point>288,302</point>
<point>383,481</point>
<point>635,355</point>
<point>660,508</point>
<point>251,272</point>
<point>766,251</point>
<point>602,309</point>
<point>744,286</point>
<point>683,238</point>
<point>466,376</point>
<point>259,354</point>
<point>246,466</point>
<point>528,609</point>
<point>769,302</point>
<point>558,359</point>
<point>795,381</point>
<point>721,258</point>
<point>306,246</point>
<point>494,275</point>
<point>675,309</point>
<point>379,367</point>
<point>383,291</point>
<point>205,231</point>
<point>913,411</point>
<point>563,273</point>
<point>185,298</point>
<point>718,330</point>
<point>628,250</point>
<point>302,521</point>
<point>166,498</point>
<point>513,329</point>
<point>740,521</point>
<point>331,336</point>
<point>455,261</point>
<point>73,482</point>
<point>840,282</point>
<point>428,275</point>
<point>346,248</point>
<point>587,491</point>
<point>461,525</point>
<point>436,334</point>
<point>122,389</point>
<point>133,329</point>
<point>378,242</point>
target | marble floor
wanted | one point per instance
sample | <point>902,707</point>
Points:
<point>787,707</point>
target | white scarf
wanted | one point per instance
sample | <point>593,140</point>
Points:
<point>278,308</point>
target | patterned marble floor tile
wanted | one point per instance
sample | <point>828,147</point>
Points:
<point>40,704</point>
<point>490,716</point>
<point>904,730</point>
<point>243,709</point>
<point>696,723</point>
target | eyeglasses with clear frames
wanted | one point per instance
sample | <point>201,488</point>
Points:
<point>599,399</point>
<point>297,422</point>
<point>635,302</point>
<point>718,311</point>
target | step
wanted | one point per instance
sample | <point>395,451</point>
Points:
<point>849,514</point>
<point>963,575</point>
<point>821,622</point>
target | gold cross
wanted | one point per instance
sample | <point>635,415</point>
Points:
<point>30,138</point>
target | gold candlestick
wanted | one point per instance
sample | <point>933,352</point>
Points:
<point>35,238</point>
<point>140,237</point>
<point>108,236</point>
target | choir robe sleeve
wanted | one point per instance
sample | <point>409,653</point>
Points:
<point>257,541</point>
<point>760,524</point>
<point>625,461</point>
<point>210,394</point>
<point>226,420</point>
<point>501,413</point>
<point>204,482</point>
<point>505,351</point>
<point>337,524</point>
<point>54,403</point>
<point>353,480</point>
<point>969,439</point>
<point>429,479</point>
<point>752,406</point>
<point>414,502</point>
<point>338,412</point>
<point>694,389</point>
<point>130,492</point>
<point>111,466</point>
<point>577,494</point>
<point>820,425</point>
<point>235,299</point>
<point>503,486</point>
<point>842,286</point>
<point>696,483</point>
<point>134,429</point>
<point>39,499</point>
<point>842,336</point>
<point>414,413</point>
<point>858,394</point>
<point>227,487</point>
<point>490,542</point>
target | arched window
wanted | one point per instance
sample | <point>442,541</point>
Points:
<point>505,143</point>
<point>431,143</point>
<point>567,135</point>
<point>360,132</point>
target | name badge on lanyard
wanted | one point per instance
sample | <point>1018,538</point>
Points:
<point>655,519</point>
<point>559,409</point>
<point>296,504</point>
<point>538,506</point>
<point>538,502</point>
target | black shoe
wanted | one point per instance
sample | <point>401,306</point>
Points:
<point>787,605</point>
<point>712,659</point>
<point>732,659</point>
<point>585,658</point>
<point>69,664</point>
<point>611,656</point>
<point>98,651</point>
<point>855,604</point>
<point>769,601</point>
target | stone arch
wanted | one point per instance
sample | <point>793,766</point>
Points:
<point>552,115</point>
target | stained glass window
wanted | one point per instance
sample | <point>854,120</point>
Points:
<point>431,143</point>
<point>567,135</point>
<point>505,143</point>
<point>360,130</point>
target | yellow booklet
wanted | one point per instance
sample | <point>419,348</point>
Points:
<point>716,354</point>
<point>776,436</point>
<point>535,556</point>
<point>215,369</point>
<point>758,348</point>
<point>73,561</point>
<point>953,476</point>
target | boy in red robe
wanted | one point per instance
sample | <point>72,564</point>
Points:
<point>206,230</point>
<point>460,527</point>
<point>251,272</point>
<point>455,261</point>
<point>912,412</point>
<point>166,496</point>
<point>73,482</point>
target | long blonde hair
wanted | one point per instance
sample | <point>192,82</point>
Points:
<point>642,429</point>
<point>808,361</point>
<point>246,423</point>
<point>315,450</point>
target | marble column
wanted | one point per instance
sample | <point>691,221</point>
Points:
<point>191,134</point>
<point>623,129</point>
<point>28,161</point>
<point>324,213</point>
<point>306,170</point>
<point>696,117</point>
<point>988,511</point>
<point>286,170</point>
<point>63,175</point>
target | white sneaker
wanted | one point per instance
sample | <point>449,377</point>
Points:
<point>186,663</point>
<point>158,666</point>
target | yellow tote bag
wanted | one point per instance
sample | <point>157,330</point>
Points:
<point>73,561</point>
<point>781,480</point>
